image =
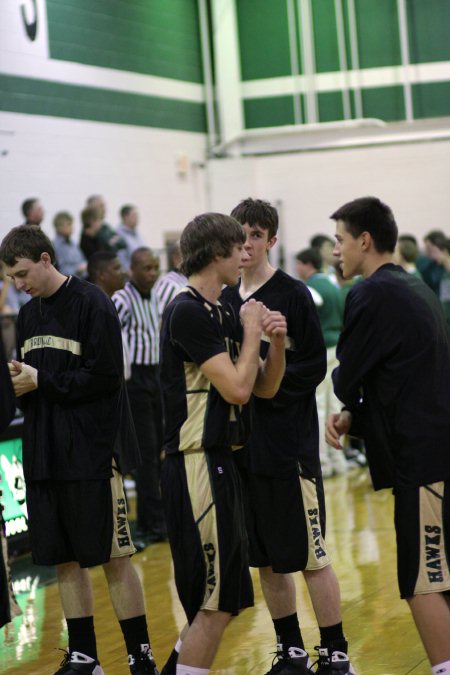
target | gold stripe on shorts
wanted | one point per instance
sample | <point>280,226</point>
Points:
<point>122,544</point>
<point>317,552</point>
<point>204,510</point>
<point>434,573</point>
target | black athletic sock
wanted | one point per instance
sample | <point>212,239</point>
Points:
<point>170,667</point>
<point>333,638</point>
<point>82,636</point>
<point>288,632</point>
<point>135,633</point>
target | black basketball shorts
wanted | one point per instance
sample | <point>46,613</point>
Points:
<point>285,522</point>
<point>202,499</point>
<point>422,524</point>
<point>78,521</point>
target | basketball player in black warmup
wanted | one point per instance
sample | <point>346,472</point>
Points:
<point>280,465</point>
<point>393,378</point>
<point>207,378</point>
<point>77,435</point>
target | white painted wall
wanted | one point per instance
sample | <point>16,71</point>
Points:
<point>63,161</point>
<point>414,179</point>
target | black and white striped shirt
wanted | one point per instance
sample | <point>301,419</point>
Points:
<point>139,317</point>
<point>167,287</point>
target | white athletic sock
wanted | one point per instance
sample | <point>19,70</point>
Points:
<point>178,646</point>
<point>439,669</point>
<point>189,670</point>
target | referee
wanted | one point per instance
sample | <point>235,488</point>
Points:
<point>137,307</point>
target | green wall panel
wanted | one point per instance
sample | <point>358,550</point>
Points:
<point>429,30</point>
<point>330,106</point>
<point>269,112</point>
<point>263,38</point>
<point>431,100</point>
<point>378,33</point>
<point>154,37</point>
<point>385,103</point>
<point>41,97</point>
<point>325,36</point>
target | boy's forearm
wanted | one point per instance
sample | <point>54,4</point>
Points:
<point>271,372</point>
<point>248,363</point>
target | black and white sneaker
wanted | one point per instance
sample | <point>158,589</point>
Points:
<point>296,662</point>
<point>141,662</point>
<point>77,663</point>
<point>333,662</point>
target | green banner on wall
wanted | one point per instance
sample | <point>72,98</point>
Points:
<point>15,512</point>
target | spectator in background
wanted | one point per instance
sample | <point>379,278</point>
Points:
<point>105,271</point>
<point>96,235</point>
<point>127,230</point>
<point>11,300</point>
<point>407,253</point>
<point>107,234</point>
<point>344,284</point>
<point>353,447</point>
<point>170,283</point>
<point>8,299</point>
<point>440,254</point>
<point>325,245</point>
<point>8,606</point>
<point>9,308</point>
<point>97,202</point>
<point>430,270</point>
<point>33,211</point>
<point>69,258</point>
<point>90,242</point>
<point>137,307</point>
<point>327,298</point>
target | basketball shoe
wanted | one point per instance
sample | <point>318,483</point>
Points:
<point>77,663</point>
<point>333,662</point>
<point>141,662</point>
<point>297,662</point>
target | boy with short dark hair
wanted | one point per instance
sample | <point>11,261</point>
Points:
<point>283,488</point>
<point>207,377</point>
<point>77,435</point>
<point>69,257</point>
<point>393,379</point>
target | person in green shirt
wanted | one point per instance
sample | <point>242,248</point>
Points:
<point>327,298</point>
<point>428,267</point>
<point>406,254</point>
<point>440,254</point>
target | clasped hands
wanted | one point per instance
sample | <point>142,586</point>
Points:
<point>271,323</point>
<point>23,377</point>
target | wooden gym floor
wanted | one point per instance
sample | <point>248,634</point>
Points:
<point>360,537</point>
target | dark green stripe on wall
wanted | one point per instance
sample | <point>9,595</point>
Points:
<point>331,106</point>
<point>268,112</point>
<point>431,100</point>
<point>263,38</point>
<point>42,97</point>
<point>385,103</point>
<point>428,30</point>
<point>325,36</point>
<point>378,33</point>
<point>153,37</point>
